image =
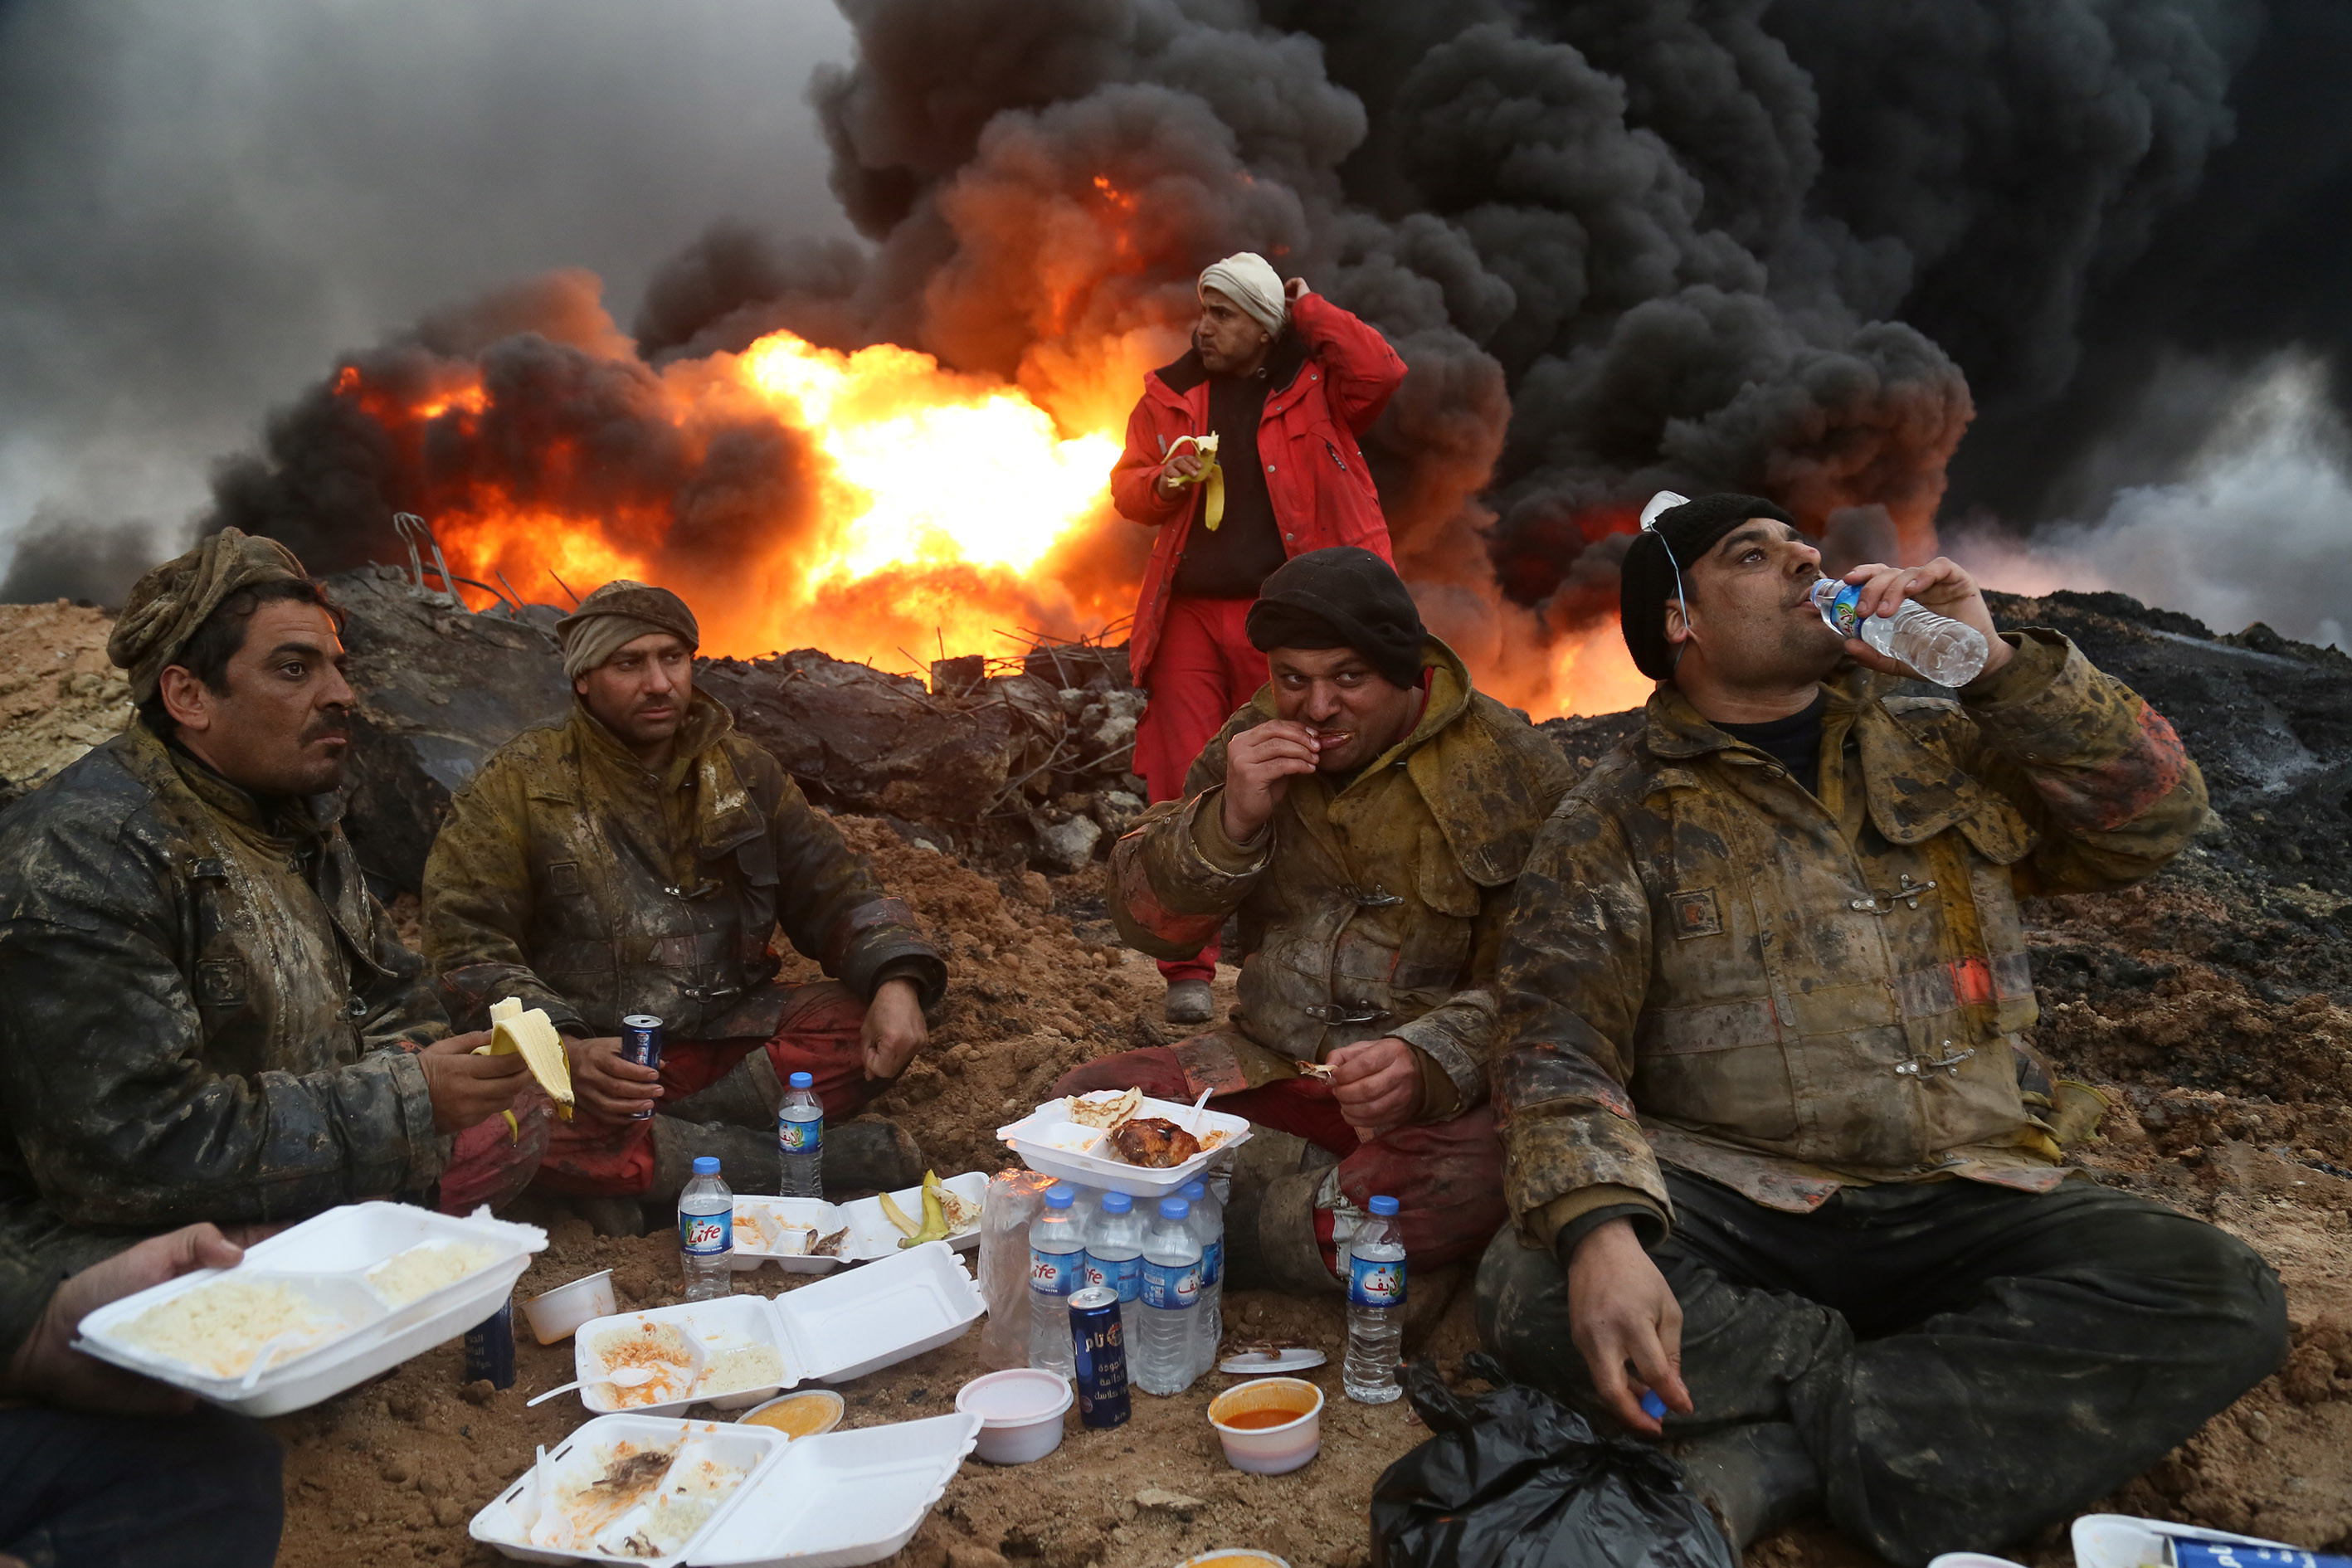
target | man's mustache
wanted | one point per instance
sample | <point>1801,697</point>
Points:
<point>337,725</point>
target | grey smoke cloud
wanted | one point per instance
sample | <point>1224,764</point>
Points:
<point>201,204</point>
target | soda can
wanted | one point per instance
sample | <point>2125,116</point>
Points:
<point>1101,1354</point>
<point>489,1348</point>
<point>641,1042</point>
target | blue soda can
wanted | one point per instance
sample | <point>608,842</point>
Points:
<point>641,1042</point>
<point>489,1348</point>
<point>2226,1555</point>
<point>1101,1356</point>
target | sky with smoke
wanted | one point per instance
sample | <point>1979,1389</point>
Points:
<point>1798,246</point>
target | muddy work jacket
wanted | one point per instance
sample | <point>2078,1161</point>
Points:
<point>204,1015</point>
<point>1369,909</point>
<point>572,877</point>
<point>1785,991</point>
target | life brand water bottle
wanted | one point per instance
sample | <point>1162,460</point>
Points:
<point>1209,1230</point>
<point>1058,1266</point>
<point>1375,1307</point>
<point>1115,1247</point>
<point>706,1233</point>
<point>1937,647</point>
<point>800,1140</point>
<point>1167,1330</point>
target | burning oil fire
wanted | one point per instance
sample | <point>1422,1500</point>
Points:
<point>947,513</point>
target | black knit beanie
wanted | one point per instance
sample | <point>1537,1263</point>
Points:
<point>1646,581</point>
<point>1341,597</point>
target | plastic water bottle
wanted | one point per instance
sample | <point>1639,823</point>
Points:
<point>1115,1247</point>
<point>800,1140</point>
<point>1167,1332</point>
<point>1058,1262</point>
<point>1375,1307</point>
<point>706,1233</point>
<point>1937,647</point>
<point>1209,1230</point>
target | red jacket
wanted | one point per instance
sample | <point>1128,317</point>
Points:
<point>1314,471</point>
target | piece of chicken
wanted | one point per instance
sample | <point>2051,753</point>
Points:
<point>1154,1142</point>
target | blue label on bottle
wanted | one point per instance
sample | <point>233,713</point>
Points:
<point>1212,1262</point>
<point>1055,1273</point>
<point>1126,1278</point>
<point>1375,1282</point>
<point>707,1234</point>
<point>805,1137</point>
<point>1172,1285</point>
<point>1843,613</point>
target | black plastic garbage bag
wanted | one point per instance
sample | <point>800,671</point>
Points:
<point>1516,1480</point>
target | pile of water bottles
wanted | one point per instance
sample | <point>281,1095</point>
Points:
<point>1165,1259</point>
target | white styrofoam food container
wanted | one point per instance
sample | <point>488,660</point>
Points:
<point>871,1236</point>
<point>833,1500</point>
<point>832,1331</point>
<point>1048,1141</point>
<point>331,1254</point>
<point>2122,1541</point>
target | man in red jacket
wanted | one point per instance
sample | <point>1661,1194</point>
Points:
<point>1285,381</point>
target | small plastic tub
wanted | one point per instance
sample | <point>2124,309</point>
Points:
<point>1020,1413</point>
<point>807,1414</point>
<point>557,1314</point>
<point>1233,1557</point>
<point>1270,1425</point>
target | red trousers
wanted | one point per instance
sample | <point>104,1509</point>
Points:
<point>1446,1176</point>
<point>1205,671</point>
<point>819,1035</point>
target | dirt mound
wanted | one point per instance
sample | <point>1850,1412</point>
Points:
<point>58,694</point>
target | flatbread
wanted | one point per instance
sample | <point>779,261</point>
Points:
<point>1105,1109</point>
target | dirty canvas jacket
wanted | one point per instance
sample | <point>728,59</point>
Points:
<point>1368,912</point>
<point>206,1014</point>
<point>572,876</point>
<point>1792,991</point>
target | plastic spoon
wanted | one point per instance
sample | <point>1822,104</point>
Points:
<point>261,1359</point>
<point>625,1377</point>
<point>1195,1128</point>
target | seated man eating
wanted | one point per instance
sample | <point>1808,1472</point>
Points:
<point>1365,816</point>
<point>636,858</point>
<point>1776,1148</point>
<point>203,1015</point>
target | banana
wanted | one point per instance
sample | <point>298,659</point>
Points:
<point>934,1214</point>
<point>515,1031</point>
<point>896,1216</point>
<point>1213,510</point>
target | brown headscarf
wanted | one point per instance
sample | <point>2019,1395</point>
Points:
<point>618,614</point>
<point>172,601</point>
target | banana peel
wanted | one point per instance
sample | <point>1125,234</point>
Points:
<point>897,1217</point>
<point>1213,478</point>
<point>515,1031</point>
<point>934,1214</point>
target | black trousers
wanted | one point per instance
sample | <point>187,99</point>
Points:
<point>1966,1363</point>
<point>77,1490</point>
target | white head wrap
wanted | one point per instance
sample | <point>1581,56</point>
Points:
<point>1248,281</point>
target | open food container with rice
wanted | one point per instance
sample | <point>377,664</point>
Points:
<point>665,1493</point>
<point>319,1307</point>
<point>809,1236</point>
<point>740,1351</point>
<point>1124,1140</point>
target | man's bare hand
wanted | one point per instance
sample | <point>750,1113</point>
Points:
<point>606,1085</point>
<point>894,1029</point>
<point>1295,289</point>
<point>1376,1084</point>
<point>1259,765</point>
<point>468,1089</point>
<point>1180,470</point>
<point>1940,586</point>
<point>1621,1311</point>
<point>47,1368</point>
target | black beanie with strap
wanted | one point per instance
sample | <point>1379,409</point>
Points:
<point>1647,579</point>
<point>1341,597</point>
